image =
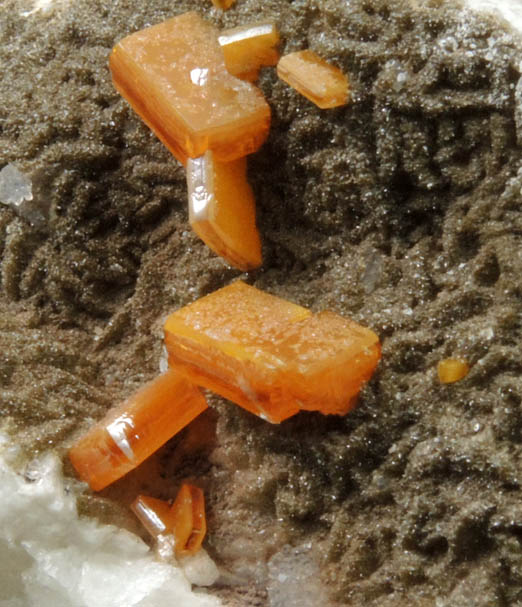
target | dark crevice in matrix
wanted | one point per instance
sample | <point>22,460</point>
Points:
<point>400,210</point>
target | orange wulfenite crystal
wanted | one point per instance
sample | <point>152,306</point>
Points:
<point>223,4</point>
<point>185,519</point>
<point>222,209</point>
<point>451,370</point>
<point>135,429</point>
<point>270,356</point>
<point>322,83</point>
<point>249,47</point>
<point>174,76</point>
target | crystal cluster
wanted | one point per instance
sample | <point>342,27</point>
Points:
<point>180,78</point>
<point>185,519</point>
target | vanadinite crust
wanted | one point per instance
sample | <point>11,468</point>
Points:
<point>270,356</point>
<point>174,76</point>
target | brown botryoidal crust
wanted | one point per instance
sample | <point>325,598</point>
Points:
<point>401,210</point>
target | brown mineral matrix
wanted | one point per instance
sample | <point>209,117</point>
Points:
<point>174,76</point>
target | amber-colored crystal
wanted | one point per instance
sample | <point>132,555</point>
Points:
<point>222,209</point>
<point>174,76</point>
<point>319,81</point>
<point>223,4</point>
<point>270,356</point>
<point>249,47</point>
<point>185,519</point>
<point>135,429</point>
<point>189,523</point>
<point>451,370</point>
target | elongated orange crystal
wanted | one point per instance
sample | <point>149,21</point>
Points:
<point>135,429</point>
<point>451,370</point>
<point>174,76</point>
<point>248,47</point>
<point>222,209</point>
<point>271,356</point>
<point>185,519</point>
<point>313,77</point>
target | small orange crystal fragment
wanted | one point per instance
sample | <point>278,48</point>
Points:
<point>223,4</point>
<point>154,514</point>
<point>451,370</point>
<point>248,47</point>
<point>174,76</point>
<point>222,209</point>
<point>190,526</point>
<point>313,77</point>
<point>135,429</point>
<point>270,356</point>
<point>185,519</point>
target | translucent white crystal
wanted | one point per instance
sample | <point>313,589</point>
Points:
<point>15,187</point>
<point>52,558</point>
<point>293,579</point>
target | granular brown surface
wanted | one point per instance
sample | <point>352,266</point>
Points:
<point>400,210</point>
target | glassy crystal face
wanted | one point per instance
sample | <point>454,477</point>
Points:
<point>270,356</point>
<point>174,76</point>
<point>185,519</point>
<point>313,77</point>
<point>248,47</point>
<point>222,209</point>
<point>132,431</point>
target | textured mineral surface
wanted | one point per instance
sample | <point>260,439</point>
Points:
<point>400,210</point>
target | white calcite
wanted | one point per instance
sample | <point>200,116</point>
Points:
<point>52,558</point>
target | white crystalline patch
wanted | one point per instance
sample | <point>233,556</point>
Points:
<point>293,579</point>
<point>15,187</point>
<point>509,10</point>
<point>52,558</point>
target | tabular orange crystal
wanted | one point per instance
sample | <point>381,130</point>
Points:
<point>319,81</point>
<point>185,519</point>
<point>174,76</point>
<point>222,209</point>
<point>270,356</point>
<point>135,429</point>
<point>451,370</point>
<point>249,47</point>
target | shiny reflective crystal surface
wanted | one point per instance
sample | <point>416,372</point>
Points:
<point>132,431</point>
<point>222,209</point>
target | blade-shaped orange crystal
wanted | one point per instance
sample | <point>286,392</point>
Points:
<point>270,356</point>
<point>185,519</point>
<point>313,77</point>
<point>248,47</point>
<point>135,429</point>
<point>174,76</point>
<point>222,209</point>
<point>188,516</point>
